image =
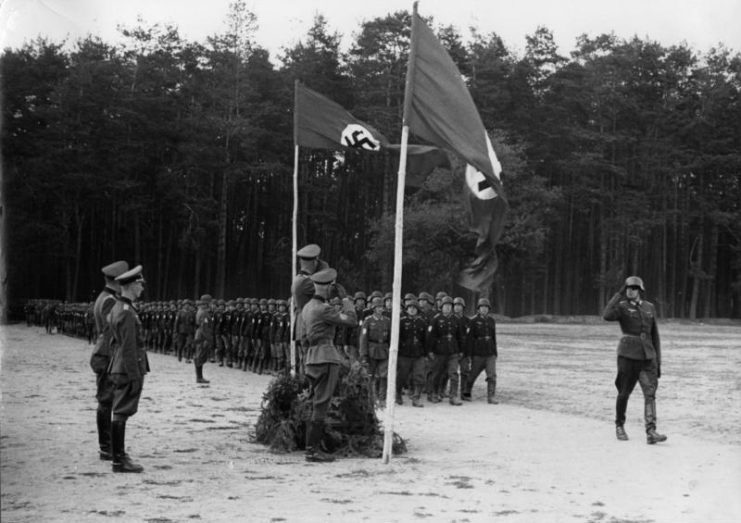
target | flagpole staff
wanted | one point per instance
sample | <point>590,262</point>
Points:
<point>388,425</point>
<point>294,232</point>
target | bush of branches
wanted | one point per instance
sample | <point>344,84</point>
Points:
<point>351,429</point>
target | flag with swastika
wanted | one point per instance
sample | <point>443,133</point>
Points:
<point>439,109</point>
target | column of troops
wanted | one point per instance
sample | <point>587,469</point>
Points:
<point>441,351</point>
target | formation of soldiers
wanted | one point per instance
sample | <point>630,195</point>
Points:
<point>441,350</point>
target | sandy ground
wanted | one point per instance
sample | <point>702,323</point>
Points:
<point>547,453</point>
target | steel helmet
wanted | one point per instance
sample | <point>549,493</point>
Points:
<point>635,281</point>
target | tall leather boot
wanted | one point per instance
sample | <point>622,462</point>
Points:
<point>314,433</point>
<point>121,461</point>
<point>199,375</point>
<point>649,414</point>
<point>104,434</point>
<point>491,389</point>
<point>454,394</point>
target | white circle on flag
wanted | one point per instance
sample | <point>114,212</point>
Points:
<point>478,183</point>
<point>359,137</point>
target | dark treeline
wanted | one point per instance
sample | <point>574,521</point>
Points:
<point>624,157</point>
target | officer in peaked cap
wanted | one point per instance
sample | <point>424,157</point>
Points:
<point>101,355</point>
<point>323,359</point>
<point>129,364</point>
<point>302,289</point>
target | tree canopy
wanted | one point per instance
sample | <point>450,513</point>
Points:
<point>622,158</point>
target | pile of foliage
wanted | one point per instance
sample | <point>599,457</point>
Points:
<point>352,427</point>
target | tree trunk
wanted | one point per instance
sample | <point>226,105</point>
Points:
<point>221,248</point>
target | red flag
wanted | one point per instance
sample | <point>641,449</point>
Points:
<point>440,110</point>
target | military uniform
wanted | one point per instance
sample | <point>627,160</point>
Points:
<point>411,356</point>
<point>444,342</point>
<point>204,338</point>
<point>482,348</point>
<point>129,364</point>
<point>185,328</point>
<point>374,347</point>
<point>101,357</point>
<point>322,357</point>
<point>638,355</point>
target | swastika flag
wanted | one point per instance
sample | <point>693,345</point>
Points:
<point>439,109</point>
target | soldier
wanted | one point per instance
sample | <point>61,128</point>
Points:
<point>459,305</point>
<point>281,336</point>
<point>255,340</point>
<point>185,328</point>
<point>439,300</point>
<point>482,348</point>
<point>235,309</point>
<point>353,333</point>
<point>638,354</point>
<point>246,334</point>
<point>219,345</point>
<point>425,302</point>
<point>444,342</point>
<point>323,360</point>
<point>128,365</point>
<point>374,347</point>
<point>204,338</point>
<point>302,290</point>
<point>412,332</point>
<point>101,356</point>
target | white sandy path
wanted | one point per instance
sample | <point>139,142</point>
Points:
<point>473,463</point>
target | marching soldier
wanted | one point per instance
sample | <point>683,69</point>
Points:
<point>128,365</point>
<point>482,347</point>
<point>374,347</point>
<point>204,339</point>
<point>444,342</point>
<point>101,356</point>
<point>459,304</point>
<point>639,354</point>
<point>411,362</point>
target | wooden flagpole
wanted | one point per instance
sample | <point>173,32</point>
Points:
<point>388,425</point>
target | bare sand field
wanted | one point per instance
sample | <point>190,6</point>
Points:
<point>546,453</point>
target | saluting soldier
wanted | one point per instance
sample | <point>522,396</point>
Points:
<point>444,342</point>
<point>101,356</point>
<point>204,339</point>
<point>374,347</point>
<point>411,362</point>
<point>323,360</point>
<point>482,347</point>
<point>302,289</point>
<point>128,365</point>
<point>639,354</point>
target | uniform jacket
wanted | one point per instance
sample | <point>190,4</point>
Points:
<point>482,336</point>
<point>302,289</point>
<point>185,322</point>
<point>129,360</point>
<point>205,323</point>
<point>444,335</point>
<point>100,358</point>
<point>637,319</point>
<point>375,336</point>
<point>412,334</point>
<point>320,321</point>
